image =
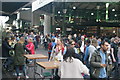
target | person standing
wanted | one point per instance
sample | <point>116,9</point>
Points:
<point>83,44</point>
<point>6,47</point>
<point>99,62</point>
<point>5,52</point>
<point>118,58</point>
<point>114,48</point>
<point>57,51</point>
<point>91,48</point>
<point>50,47</point>
<point>82,48</point>
<point>71,67</point>
<point>19,60</point>
<point>30,46</point>
<point>86,57</point>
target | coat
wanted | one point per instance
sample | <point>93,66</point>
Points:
<point>19,54</point>
<point>72,69</point>
<point>118,55</point>
<point>95,64</point>
<point>5,49</point>
<point>30,46</point>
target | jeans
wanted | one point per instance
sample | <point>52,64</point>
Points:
<point>17,68</point>
<point>45,45</point>
<point>49,54</point>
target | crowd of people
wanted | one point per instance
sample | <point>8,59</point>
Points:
<point>80,56</point>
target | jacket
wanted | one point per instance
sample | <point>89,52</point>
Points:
<point>19,54</point>
<point>30,46</point>
<point>95,64</point>
<point>5,49</point>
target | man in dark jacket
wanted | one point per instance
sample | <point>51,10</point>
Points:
<point>6,47</point>
<point>114,47</point>
<point>99,62</point>
<point>5,52</point>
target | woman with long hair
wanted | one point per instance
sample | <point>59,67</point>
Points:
<point>71,67</point>
<point>19,60</point>
<point>57,51</point>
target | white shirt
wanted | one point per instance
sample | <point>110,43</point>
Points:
<point>82,47</point>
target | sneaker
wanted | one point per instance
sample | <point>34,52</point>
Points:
<point>18,78</point>
<point>26,77</point>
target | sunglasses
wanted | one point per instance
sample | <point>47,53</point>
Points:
<point>73,44</point>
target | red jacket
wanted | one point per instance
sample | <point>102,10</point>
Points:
<point>31,47</point>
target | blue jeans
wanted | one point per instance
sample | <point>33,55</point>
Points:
<point>17,68</point>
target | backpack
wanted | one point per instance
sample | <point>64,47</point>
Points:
<point>50,46</point>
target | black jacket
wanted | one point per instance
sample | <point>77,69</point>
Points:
<point>5,49</point>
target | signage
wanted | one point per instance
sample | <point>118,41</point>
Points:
<point>40,3</point>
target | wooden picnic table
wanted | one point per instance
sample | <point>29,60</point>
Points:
<point>49,64</point>
<point>35,56</point>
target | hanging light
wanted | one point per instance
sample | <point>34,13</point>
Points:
<point>58,12</point>
<point>92,13</point>
<point>115,15</point>
<point>74,7</point>
<point>113,9</point>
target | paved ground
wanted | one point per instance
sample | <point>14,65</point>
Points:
<point>30,70</point>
